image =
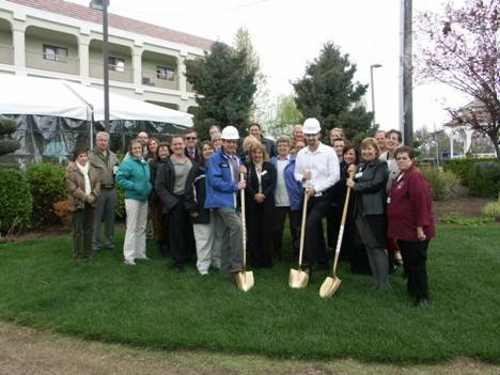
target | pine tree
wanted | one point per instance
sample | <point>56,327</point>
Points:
<point>225,87</point>
<point>328,93</point>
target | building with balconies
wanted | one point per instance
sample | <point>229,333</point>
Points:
<point>60,39</point>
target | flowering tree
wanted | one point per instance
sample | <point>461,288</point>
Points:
<point>460,48</point>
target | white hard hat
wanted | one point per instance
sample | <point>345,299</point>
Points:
<point>230,133</point>
<point>311,126</point>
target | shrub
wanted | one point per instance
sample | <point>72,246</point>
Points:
<point>484,179</point>
<point>463,167</point>
<point>120,203</point>
<point>443,183</point>
<point>15,201</point>
<point>491,209</point>
<point>47,187</point>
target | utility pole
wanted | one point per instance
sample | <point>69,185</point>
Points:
<point>372,86</point>
<point>406,86</point>
<point>102,5</point>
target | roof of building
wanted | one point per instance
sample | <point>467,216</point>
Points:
<point>119,22</point>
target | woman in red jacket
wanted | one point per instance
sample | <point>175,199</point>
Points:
<point>411,223</point>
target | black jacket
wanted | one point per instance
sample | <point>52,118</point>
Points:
<point>369,189</point>
<point>270,146</point>
<point>164,184</point>
<point>195,196</point>
<point>268,183</point>
<point>338,191</point>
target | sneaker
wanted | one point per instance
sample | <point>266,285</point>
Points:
<point>129,262</point>
<point>143,258</point>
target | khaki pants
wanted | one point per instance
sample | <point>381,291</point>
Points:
<point>204,235</point>
<point>228,222</point>
<point>135,236</point>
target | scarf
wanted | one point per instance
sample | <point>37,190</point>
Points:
<point>85,171</point>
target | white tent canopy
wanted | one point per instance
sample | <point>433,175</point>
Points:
<point>21,95</point>
<point>40,96</point>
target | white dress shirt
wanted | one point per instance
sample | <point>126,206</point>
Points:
<point>323,164</point>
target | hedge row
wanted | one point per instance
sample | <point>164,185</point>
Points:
<point>27,199</point>
<point>481,176</point>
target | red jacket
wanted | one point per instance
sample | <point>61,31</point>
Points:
<point>410,206</point>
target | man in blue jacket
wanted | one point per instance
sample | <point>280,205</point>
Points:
<point>222,186</point>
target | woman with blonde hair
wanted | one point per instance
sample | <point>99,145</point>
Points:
<point>369,185</point>
<point>261,184</point>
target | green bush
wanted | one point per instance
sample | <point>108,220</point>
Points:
<point>491,209</point>
<point>15,201</point>
<point>484,179</point>
<point>463,167</point>
<point>443,183</point>
<point>120,203</point>
<point>47,187</point>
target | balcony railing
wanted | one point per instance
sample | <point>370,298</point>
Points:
<point>6,54</point>
<point>122,74</point>
<point>150,78</point>
<point>59,64</point>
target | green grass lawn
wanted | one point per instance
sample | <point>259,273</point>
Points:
<point>152,306</point>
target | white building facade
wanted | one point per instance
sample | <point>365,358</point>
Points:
<point>59,39</point>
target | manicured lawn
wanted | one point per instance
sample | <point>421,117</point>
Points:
<point>151,306</point>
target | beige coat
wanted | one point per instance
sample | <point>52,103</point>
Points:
<point>75,186</point>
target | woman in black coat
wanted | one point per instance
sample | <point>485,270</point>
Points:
<point>173,179</point>
<point>261,183</point>
<point>159,227</point>
<point>368,186</point>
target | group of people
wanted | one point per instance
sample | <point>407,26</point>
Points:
<point>189,194</point>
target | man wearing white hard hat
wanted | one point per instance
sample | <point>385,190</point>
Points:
<point>222,185</point>
<point>317,167</point>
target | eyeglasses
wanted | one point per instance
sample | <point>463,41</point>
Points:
<point>191,138</point>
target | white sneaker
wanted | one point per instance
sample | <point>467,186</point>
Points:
<point>143,258</point>
<point>129,262</point>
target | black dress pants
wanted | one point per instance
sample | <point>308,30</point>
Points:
<point>180,233</point>
<point>260,234</point>
<point>280,214</point>
<point>314,247</point>
<point>415,259</point>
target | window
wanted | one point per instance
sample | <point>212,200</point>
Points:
<point>116,64</point>
<point>165,72</point>
<point>54,53</point>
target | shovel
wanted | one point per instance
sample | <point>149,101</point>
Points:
<point>244,279</point>
<point>332,283</point>
<point>299,278</point>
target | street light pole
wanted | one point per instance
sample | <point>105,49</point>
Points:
<point>102,5</point>
<point>373,89</point>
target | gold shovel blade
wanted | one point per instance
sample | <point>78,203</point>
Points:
<point>244,280</point>
<point>298,279</point>
<point>329,287</point>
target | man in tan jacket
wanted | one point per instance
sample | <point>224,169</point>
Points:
<point>106,164</point>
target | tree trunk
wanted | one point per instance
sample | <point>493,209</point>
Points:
<point>494,139</point>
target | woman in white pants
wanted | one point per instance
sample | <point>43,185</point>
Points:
<point>203,222</point>
<point>134,177</point>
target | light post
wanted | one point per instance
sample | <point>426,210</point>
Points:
<point>102,5</point>
<point>374,66</point>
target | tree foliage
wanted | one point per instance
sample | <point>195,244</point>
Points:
<point>287,114</point>
<point>327,92</point>
<point>460,48</point>
<point>7,144</point>
<point>224,83</point>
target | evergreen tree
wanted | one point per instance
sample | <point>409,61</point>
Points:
<point>328,93</point>
<point>225,87</point>
<point>7,144</point>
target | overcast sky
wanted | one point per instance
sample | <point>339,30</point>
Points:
<point>287,34</point>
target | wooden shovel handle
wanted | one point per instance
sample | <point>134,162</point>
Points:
<point>243,224</point>
<point>303,228</point>
<point>341,231</point>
